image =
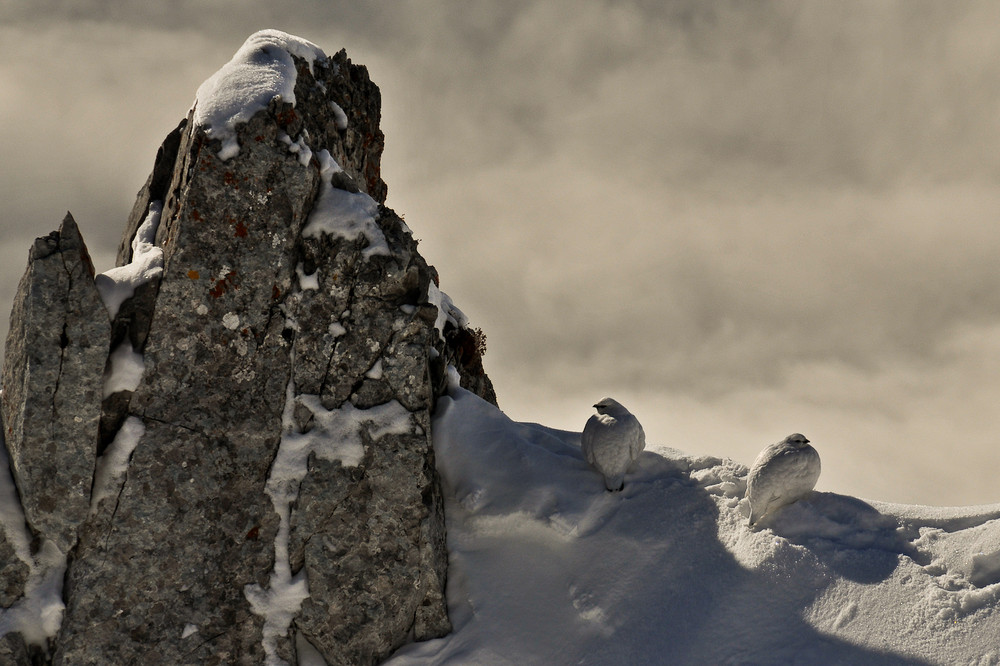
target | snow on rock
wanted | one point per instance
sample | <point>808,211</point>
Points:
<point>448,312</point>
<point>113,464</point>
<point>336,329</point>
<point>298,147</point>
<point>333,435</point>
<point>546,567</point>
<point>260,71</point>
<point>278,605</point>
<point>38,615</point>
<point>344,214</point>
<point>376,370</point>
<point>340,118</point>
<point>118,284</point>
<point>307,282</point>
<point>124,371</point>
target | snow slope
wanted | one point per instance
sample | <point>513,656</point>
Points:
<point>548,568</point>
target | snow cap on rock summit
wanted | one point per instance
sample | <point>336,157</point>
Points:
<point>259,71</point>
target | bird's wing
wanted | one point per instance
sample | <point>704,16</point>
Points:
<point>637,442</point>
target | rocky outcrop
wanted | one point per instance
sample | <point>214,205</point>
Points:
<point>276,347</point>
<point>14,571</point>
<point>54,363</point>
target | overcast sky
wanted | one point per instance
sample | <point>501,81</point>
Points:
<point>741,219</point>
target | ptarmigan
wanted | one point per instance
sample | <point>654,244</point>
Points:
<point>612,440</point>
<point>781,474</point>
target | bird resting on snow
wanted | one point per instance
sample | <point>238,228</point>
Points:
<point>781,474</point>
<point>611,442</point>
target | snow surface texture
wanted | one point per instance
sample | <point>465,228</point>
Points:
<point>612,441</point>
<point>781,474</point>
<point>546,567</point>
<point>260,71</point>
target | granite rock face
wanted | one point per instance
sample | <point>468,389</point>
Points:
<point>14,571</point>
<point>263,432</point>
<point>52,378</point>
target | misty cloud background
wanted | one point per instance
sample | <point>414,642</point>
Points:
<point>740,219</point>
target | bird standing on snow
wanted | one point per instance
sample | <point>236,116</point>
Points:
<point>612,440</point>
<point>782,473</point>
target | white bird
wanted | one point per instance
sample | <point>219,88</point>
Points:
<point>611,442</point>
<point>781,474</point>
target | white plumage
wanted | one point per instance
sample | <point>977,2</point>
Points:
<point>611,442</point>
<point>782,473</point>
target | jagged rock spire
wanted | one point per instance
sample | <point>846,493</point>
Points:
<point>266,478</point>
<point>54,363</point>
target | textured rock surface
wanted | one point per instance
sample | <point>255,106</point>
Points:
<point>55,356</point>
<point>279,439</point>
<point>371,537</point>
<point>13,651</point>
<point>13,570</point>
<point>13,573</point>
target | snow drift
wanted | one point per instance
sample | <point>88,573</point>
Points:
<point>546,567</point>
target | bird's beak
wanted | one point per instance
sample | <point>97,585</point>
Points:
<point>595,406</point>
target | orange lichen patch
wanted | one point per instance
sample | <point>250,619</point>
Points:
<point>253,533</point>
<point>275,292</point>
<point>221,286</point>
<point>241,230</point>
<point>193,274</point>
<point>287,117</point>
<point>259,138</point>
<point>195,215</point>
<point>229,178</point>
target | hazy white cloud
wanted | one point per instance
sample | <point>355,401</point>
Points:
<point>746,218</point>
